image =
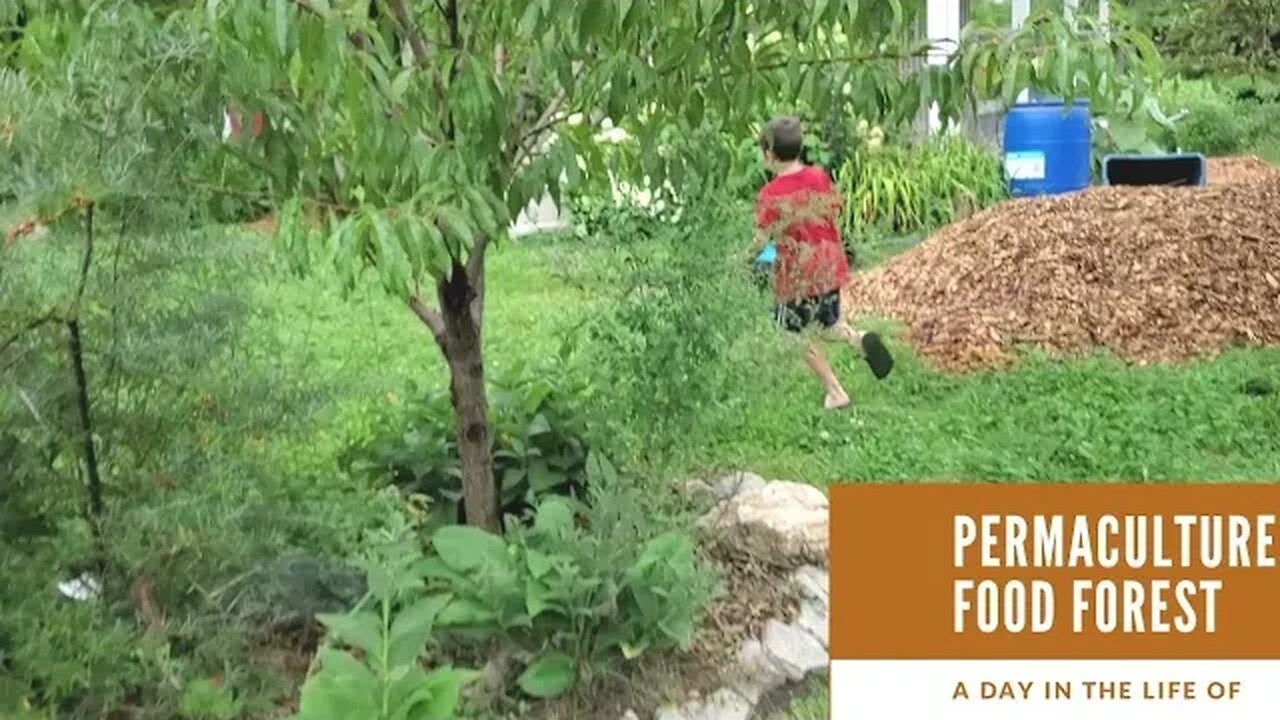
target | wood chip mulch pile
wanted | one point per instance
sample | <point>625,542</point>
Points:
<point>1240,170</point>
<point>1152,274</point>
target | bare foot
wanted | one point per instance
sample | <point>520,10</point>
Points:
<point>836,401</point>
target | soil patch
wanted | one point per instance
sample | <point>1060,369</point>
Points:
<point>1152,274</point>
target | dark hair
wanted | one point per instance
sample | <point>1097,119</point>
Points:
<point>784,137</point>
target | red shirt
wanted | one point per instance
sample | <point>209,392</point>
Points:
<point>799,211</point>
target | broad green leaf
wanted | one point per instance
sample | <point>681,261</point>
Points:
<point>539,565</point>
<point>412,627</point>
<point>465,548</point>
<point>442,690</point>
<point>360,629</point>
<point>212,9</point>
<point>600,472</point>
<point>537,597</point>
<point>344,688</point>
<point>464,612</point>
<point>549,676</point>
<point>555,517</point>
<point>1129,136</point>
<point>542,478</point>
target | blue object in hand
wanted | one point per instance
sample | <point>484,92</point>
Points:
<point>767,256</point>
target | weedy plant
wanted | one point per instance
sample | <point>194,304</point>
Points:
<point>574,590</point>
<point>379,676</point>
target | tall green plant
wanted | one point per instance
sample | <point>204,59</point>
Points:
<point>415,130</point>
<point>379,676</point>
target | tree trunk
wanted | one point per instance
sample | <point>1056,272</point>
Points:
<point>93,478</point>
<point>463,353</point>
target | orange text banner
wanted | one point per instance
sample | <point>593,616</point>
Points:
<point>1057,572</point>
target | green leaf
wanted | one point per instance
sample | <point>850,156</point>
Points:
<point>542,478</point>
<point>465,612</point>
<point>412,628</point>
<point>360,629</point>
<point>600,472</point>
<point>1064,70</point>
<point>537,597</point>
<point>400,85</point>
<point>442,692</point>
<point>896,7</point>
<point>457,227</point>
<point>465,548</point>
<point>344,688</point>
<point>554,517</point>
<point>212,9</point>
<point>282,26</point>
<point>549,676</point>
<point>592,19</point>
<point>529,20</point>
<point>482,212</point>
<point>539,564</point>
<point>1129,136</point>
<point>709,8</point>
<point>631,651</point>
<point>1009,90</point>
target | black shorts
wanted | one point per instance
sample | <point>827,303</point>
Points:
<point>797,316</point>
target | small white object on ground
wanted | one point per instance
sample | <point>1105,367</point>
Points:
<point>83,588</point>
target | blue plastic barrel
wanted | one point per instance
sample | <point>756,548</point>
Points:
<point>1048,148</point>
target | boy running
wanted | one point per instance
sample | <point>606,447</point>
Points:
<point>798,210</point>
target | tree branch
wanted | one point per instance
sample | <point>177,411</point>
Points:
<point>50,317</point>
<point>417,43</point>
<point>429,317</point>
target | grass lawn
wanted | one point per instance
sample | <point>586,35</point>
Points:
<point>1095,419</point>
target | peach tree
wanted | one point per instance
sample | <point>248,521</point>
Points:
<point>404,136</point>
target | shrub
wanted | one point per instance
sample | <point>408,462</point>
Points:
<point>604,218</point>
<point>574,591</point>
<point>670,334</point>
<point>1209,120</point>
<point>897,190</point>
<point>540,443</point>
